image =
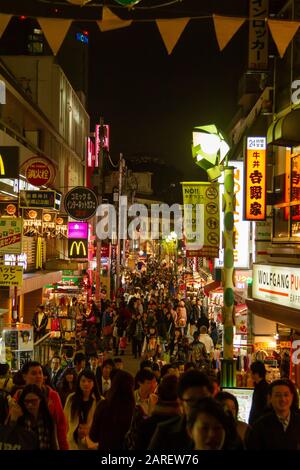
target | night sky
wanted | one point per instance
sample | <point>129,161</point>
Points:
<point>153,100</point>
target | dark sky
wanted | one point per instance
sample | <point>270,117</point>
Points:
<point>152,99</point>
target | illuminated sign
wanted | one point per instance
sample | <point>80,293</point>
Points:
<point>78,248</point>
<point>82,38</point>
<point>277,284</point>
<point>78,230</point>
<point>101,140</point>
<point>255,187</point>
<point>241,227</point>
<point>11,235</point>
<point>9,162</point>
<point>13,260</point>
<point>11,276</point>
<point>39,171</point>
<point>81,203</point>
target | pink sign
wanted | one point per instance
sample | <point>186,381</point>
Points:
<point>78,230</point>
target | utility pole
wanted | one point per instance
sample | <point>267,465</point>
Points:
<point>121,170</point>
<point>99,186</point>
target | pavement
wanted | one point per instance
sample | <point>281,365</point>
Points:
<point>131,364</point>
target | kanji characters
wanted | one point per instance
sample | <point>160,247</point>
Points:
<point>256,177</point>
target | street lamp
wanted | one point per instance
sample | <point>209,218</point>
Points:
<point>210,151</point>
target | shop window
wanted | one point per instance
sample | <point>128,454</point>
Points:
<point>286,214</point>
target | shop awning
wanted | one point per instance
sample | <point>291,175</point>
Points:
<point>277,313</point>
<point>285,130</point>
<point>38,280</point>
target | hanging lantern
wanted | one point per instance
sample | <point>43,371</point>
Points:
<point>127,3</point>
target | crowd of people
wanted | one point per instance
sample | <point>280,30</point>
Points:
<point>87,400</point>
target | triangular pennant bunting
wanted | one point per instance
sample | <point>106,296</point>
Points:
<point>4,20</point>
<point>55,31</point>
<point>226,28</point>
<point>282,33</point>
<point>171,31</point>
<point>111,21</point>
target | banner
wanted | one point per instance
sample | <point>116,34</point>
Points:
<point>171,30</point>
<point>11,235</point>
<point>111,21</point>
<point>55,31</point>
<point>11,276</point>
<point>258,35</point>
<point>255,184</point>
<point>226,28</point>
<point>283,33</point>
<point>202,223</point>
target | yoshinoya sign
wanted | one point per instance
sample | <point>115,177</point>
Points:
<point>277,284</point>
<point>81,203</point>
<point>39,171</point>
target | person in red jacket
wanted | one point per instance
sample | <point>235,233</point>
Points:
<point>33,375</point>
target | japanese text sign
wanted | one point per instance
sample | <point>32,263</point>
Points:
<point>38,199</point>
<point>204,241</point>
<point>258,34</point>
<point>11,276</point>
<point>255,187</point>
<point>81,203</point>
<point>11,235</point>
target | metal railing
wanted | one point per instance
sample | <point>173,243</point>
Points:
<point>42,349</point>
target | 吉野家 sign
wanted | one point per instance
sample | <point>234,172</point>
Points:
<point>11,276</point>
<point>255,181</point>
<point>81,203</point>
<point>277,284</point>
<point>77,248</point>
<point>9,162</point>
<point>78,229</point>
<point>38,199</point>
<point>39,171</point>
<point>11,235</point>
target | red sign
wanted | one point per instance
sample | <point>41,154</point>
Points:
<point>39,171</point>
<point>10,240</point>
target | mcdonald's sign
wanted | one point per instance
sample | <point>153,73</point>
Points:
<point>77,248</point>
<point>9,162</point>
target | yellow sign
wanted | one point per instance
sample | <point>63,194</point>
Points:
<point>77,248</point>
<point>201,219</point>
<point>2,167</point>
<point>255,187</point>
<point>11,276</point>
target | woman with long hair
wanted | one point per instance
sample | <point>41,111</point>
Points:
<point>113,415</point>
<point>34,416</point>
<point>79,411</point>
<point>67,384</point>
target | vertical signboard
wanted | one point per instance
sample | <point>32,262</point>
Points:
<point>258,35</point>
<point>202,236</point>
<point>241,227</point>
<point>255,183</point>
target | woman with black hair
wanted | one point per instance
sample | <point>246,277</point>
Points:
<point>79,411</point>
<point>211,428</point>
<point>35,417</point>
<point>67,384</point>
<point>113,415</point>
<point>231,405</point>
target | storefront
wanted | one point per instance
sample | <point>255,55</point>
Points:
<point>275,304</point>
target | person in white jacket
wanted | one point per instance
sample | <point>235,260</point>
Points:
<point>79,411</point>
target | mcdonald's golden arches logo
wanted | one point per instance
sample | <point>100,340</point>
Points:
<point>9,161</point>
<point>77,248</point>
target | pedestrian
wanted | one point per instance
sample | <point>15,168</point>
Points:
<point>67,384</point>
<point>260,394</point>
<point>79,411</point>
<point>39,323</point>
<point>103,376</point>
<point>231,405</point>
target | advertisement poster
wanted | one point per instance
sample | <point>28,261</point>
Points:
<point>202,239</point>
<point>244,398</point>
<point>25,339</point>
<point>11,276</point>
<point>11,235</point>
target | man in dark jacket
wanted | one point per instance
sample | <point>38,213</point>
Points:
<point>172,434</point>
<point>260,395</point>
<point>280,428</point>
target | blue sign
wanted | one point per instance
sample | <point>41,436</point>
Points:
<point>82,38</point>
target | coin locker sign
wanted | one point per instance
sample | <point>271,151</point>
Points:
<point>11,276</point>
<point>11,235</point>
<point>201,239</point>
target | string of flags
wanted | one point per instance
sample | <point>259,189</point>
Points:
<point>170,30</point>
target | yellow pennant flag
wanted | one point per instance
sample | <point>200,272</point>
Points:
<point>111,21</point>
<point>55,31</point>
<point>225,28</point>
<point>282,33</point>
<point>171,31</point>
<point>4,20</point>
